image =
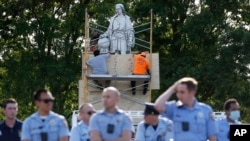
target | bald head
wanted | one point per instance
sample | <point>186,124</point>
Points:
<point>85,106</point>
<point>110,97</point>
<point>85,112</point>
<point>112,90</point>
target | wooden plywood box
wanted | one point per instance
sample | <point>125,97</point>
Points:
<point>122,65</point>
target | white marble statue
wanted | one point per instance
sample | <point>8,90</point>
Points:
<point>120,32</point>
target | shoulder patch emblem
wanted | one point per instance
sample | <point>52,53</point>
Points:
<point>52,122</point>
<point>119,118</point>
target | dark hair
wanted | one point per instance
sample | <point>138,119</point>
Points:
<point>228,103</point>
<point>39,92</point>
<point>191,83</point>
<point>96,52</point>
<point>8,101</point>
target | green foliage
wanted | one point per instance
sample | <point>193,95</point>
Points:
<point>39,47</point>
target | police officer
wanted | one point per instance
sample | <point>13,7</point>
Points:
<point>111,123</point>
<point>154,127</point>
<point>81,132</point>
<point>232,111</point>
<point>45,125</point>
<point>193,120</point>
<point>10,128</point>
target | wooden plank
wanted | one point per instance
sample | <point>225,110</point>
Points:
<point>117,77</point>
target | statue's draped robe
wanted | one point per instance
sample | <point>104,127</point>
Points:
<point>121,34</point>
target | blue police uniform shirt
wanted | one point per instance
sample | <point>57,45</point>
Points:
<point>80,132</point>
<point>100,121</point>
<point>11,134</point>
<point>163,131</point>
<point>223,129</point>
<point>191,124</point>
<point>55,126</point>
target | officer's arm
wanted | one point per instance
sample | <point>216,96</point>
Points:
<point>169,134</point>
<point>75,134</point>
<point>126,136</point>
<point>139,136</point>
<point>212,138</point>
<point>65,138</point>
<point>95,136</point>
<point>25,134</point>
<point>161,100</point>
<point>63,130</point>
<point>212,129</point>
<point>126,130</point>
<point>94,129</point>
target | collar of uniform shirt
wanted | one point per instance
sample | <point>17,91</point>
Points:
<point>14,126</point>
<point>179,104</point>
<point>117,110</point>
<point>36,114</point>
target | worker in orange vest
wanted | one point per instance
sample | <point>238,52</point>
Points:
<point>141,67</point>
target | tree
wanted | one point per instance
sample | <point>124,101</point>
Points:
<point>40,46</point>
<point>40,49</point>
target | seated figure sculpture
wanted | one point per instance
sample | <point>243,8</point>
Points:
<point>120,32</point>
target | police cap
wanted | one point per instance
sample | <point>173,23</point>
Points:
<point>150,110</point>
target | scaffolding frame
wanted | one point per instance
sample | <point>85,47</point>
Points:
<point>85,57</point>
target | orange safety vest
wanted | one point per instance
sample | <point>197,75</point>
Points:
<point>141,65</point>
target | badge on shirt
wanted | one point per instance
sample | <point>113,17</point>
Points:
<point>119,118</point>
<point>52,122</point>
<point>0,133</point>
<point>200,115</point>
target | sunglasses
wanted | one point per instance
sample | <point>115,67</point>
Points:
<point>46,100</point>
<point>90,112</point>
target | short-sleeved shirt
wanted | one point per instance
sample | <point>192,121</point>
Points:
<point>141,65</point>
<point>98,64</point>
<point>11,134</point>
<point>191,124</point>
<point>163,132</point>
<point>80,132</point>
<point>223,129</point>
<point>54,126</point>
<point>118,120</point>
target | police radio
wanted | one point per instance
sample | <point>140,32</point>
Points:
<point>185,126</point>
<point>44,136</point>
<point>110,128</point>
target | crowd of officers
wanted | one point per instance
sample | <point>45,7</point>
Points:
<point>182,120</point>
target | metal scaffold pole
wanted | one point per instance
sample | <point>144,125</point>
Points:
<point>85,58</point>
<point>150,57</point>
